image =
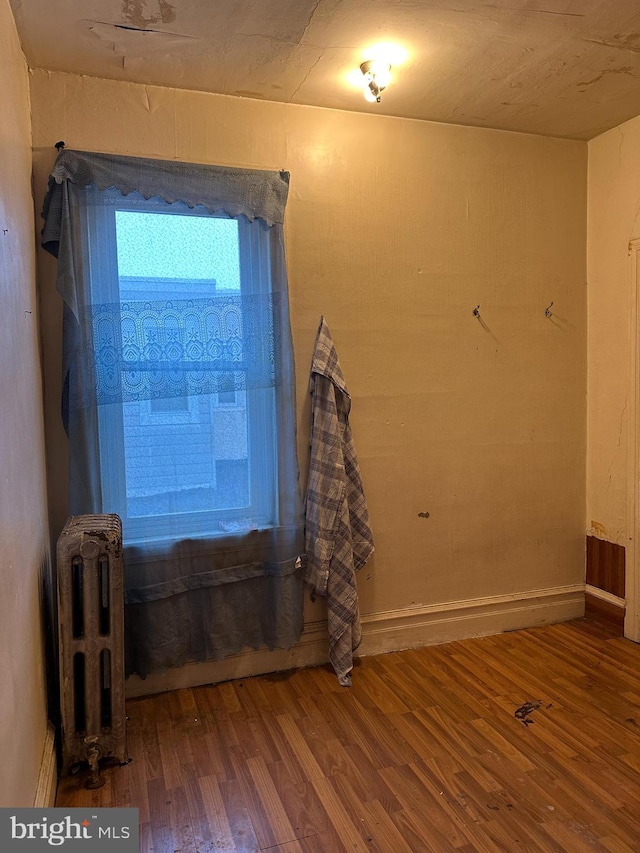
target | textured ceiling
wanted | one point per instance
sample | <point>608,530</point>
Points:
<point>557,67</point>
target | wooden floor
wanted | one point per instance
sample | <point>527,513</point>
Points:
<point>526,741</point>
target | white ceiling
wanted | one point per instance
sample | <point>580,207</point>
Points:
<point>557,67</point>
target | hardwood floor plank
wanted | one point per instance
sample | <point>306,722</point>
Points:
<point>206,810</point>
<point>511,808</point>
<point>303,755</point>
<point>170,743</point>
<point>376,786</point>
<point>259,818</point>
<point>504,745</point>
<point>420,813</point>
<point>430,750</point>
<point>346,829</point>
<point>614,845</point>
<point>574,838</point>
<point>237,816</point>
<point>161,830</point>
<point>352,722</point>
<point>283,698</point>
<point>271,803</point>
<point>472,826</point>
<point>146,838</point>
<point>372,692</point>
<point>321,844</point>
<point>301,804</point>
<point>383,829</point>
<point>181,826</point>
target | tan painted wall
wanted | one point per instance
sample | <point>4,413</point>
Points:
<point>614,220</point>
<point>396,230</point>
<point>23,525</point>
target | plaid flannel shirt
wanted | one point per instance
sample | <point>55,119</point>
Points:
<point>338,536</point>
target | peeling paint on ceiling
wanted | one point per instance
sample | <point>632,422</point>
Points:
<point>133,11</point>
<point>131,41</point>
<point>556,67</point>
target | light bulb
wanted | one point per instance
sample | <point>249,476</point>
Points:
<point>382,73</point>
<point>376,78</point>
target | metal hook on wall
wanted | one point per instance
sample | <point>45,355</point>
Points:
<point>476,312</point>
<point>547,312</point>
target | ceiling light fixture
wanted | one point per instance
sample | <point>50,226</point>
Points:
<point>377,76</point>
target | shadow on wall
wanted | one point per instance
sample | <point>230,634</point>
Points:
<point>49,616</point>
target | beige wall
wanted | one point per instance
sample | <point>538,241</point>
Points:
<point>614,220</point>
<point>395,231</point>
<point>23,527</point>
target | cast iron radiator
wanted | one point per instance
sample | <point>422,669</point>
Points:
<point>91,636</point>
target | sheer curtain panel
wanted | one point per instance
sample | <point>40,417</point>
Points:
<point>178,395</point>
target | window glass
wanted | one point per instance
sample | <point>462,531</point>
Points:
<point>201,462</point>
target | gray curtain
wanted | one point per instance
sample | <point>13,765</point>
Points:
<point>198,596</point>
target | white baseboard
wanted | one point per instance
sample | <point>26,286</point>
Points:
<point>385,631</point>
<point>476,617</point>
<point>603,595</point>
<point>48,777</point>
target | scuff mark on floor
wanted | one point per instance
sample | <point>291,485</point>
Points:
<point>523,713</point>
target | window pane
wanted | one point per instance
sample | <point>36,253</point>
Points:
<point>189,453</point>
<point>173,246</point>
<point>176,464</point>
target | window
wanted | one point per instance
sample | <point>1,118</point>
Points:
<point>178,395</point>
<point>184,448</point>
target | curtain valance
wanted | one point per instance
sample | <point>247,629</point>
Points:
<point>256,194</point>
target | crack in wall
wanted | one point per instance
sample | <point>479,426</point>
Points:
<point>624,411</point>
<point>621,132</point>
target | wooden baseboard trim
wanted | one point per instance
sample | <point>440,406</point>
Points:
<point>605,608</point>
<point>385,631</point>
<point>459,620</point>
<point>603,595</point>
<point>48,777</point>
